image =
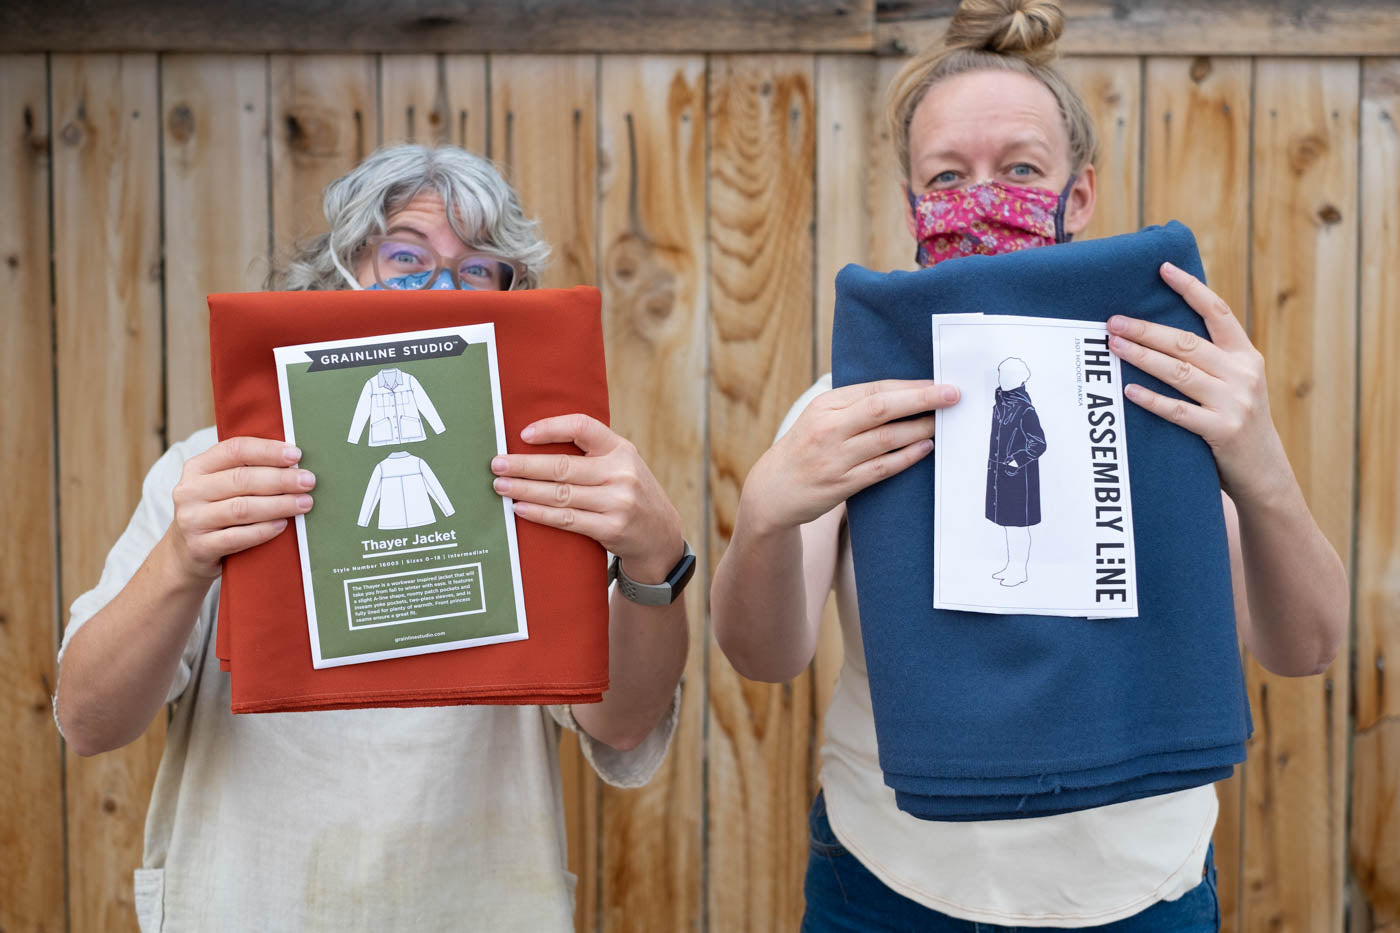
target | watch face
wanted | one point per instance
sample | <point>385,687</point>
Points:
<point>682,574</point>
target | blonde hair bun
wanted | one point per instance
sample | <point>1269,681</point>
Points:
<point>1027,29</point>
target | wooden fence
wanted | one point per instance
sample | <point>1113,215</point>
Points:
<point>712,196</point>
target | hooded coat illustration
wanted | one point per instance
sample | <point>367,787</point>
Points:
<point>1013,492</point>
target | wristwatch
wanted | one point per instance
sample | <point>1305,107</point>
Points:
<point>655,594</point>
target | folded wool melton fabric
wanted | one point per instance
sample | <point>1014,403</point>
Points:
<point>549,347</point>
<point>982,716</point>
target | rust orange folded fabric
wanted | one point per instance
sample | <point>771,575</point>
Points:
<point>549,346</point>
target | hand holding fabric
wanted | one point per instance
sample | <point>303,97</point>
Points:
<point>236,495</point>
<point>609,494</point>
<point>1224,376</point>
<point>846,439</point>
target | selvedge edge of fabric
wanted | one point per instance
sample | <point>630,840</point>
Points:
<point>551,362</point>
<point>972,700</point>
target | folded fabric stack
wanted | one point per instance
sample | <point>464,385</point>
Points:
<point>981,716</point>
<point>549,346</point>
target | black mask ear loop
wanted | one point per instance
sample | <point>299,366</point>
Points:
<point>1060,235</point>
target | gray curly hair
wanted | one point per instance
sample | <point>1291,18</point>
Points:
<point>482,208</point>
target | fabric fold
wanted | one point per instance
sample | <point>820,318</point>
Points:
<point>982,716</point>
<point>549,347</point>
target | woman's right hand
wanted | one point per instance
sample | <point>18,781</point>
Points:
<point>236,495</point>
<point>845,440</point>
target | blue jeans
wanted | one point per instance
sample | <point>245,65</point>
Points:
<point>842,895</point>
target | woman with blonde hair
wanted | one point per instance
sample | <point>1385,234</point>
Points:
<point>996,153</point>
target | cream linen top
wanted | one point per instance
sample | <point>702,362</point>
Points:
<point>434,818</point>
<point>1078,869</point>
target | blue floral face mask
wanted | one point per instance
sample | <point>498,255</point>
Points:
<point>414,281</point>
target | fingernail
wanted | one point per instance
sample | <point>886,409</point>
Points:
<point>528,433</point>
<point>520,508</point>
<point>1132,391</point>
<point>291,454</point>
<point>950,393</point>
<point>1116,343</point>
<point>1170,269</point>
<point>498,464</point>
<point>500,484</point>
<point>306,479</point>
<point>925,445</point>
<point>1116,323</point>
<point>303,502</point>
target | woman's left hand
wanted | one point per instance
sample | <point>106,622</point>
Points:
<point>1223,375</point>
<point>608,494</point>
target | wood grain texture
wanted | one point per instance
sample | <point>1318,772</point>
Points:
<point>1111,87</point>
<point>31,796</point>
<point>1179,27</point>
<point>325,120</point>
<point>1303,318</point>
<point>544,137</point>
<point>761,266</point>
<point>492,26</point>
<point>1197,171</point>
<point>652,236</point>
<point>434,99</point>
<point>1375,790</point>
<point>106,225</point>
<point>215,209</point>
<point>544,134</point>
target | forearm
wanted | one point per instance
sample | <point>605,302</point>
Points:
<point>118,668</point>
<point>758,602</point>
<point>647,647</point>
<point>1296,585</point>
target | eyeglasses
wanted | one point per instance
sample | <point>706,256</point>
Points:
<point>401,254</point>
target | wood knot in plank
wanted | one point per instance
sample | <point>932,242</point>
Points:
<point>13,262</point>
<point>36,143</point>
<point>109,805</point>
<point>1200,68</point>
<point>1302,388</point>
<point>312,131</point>
<point>1306,150</point>
<point>644,282</point>
<point>72,134</point>
<point>180,123</point>
<point>1329,215</point>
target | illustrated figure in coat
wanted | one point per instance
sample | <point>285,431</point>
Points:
<point>1013,468</point>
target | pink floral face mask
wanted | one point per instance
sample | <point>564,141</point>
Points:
<point>986,219</point>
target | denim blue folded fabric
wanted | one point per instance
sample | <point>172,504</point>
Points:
<point>973,711</point>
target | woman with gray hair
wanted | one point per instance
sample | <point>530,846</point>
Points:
<point>371,819</point>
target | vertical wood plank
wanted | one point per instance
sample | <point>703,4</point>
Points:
<point>434,100</point>
<point>1303,318</point>
<point>762,167</point>
<point>544,132</point>
<point>106,216</point>
<point>544,136</point>
<point>1197,171</point>
<point>325,120</point>
<point>652,236</point>
<point>1112,90</point>
<point>31,796</point>
<point>1375,824</point>
<point>215,208</point>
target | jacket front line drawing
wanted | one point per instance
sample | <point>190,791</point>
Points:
<point>393,403</point>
